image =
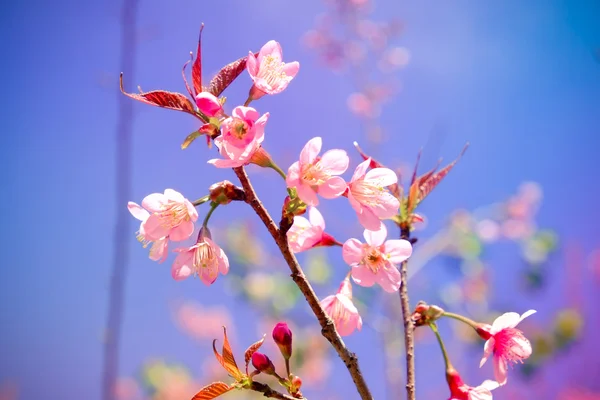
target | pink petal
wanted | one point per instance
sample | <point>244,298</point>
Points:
<point>293,175</point>
<point>153,228</point>
<point>182,231</point>
<point>154,202</point>
<point>252,65</point>
<point>208,103</point>
<point>291,69</point>
<point>525,315</point>
<point>368,219</point>
<point>191,210</point>
<point>220,163</point>
<point>223,263</point>
<point>271,48</point>
<point>389,279</point>
<point>489,385</point>
<point>248,114</point>
<point>506,320</point>
<point>500,372</point>
<point>382,176</point>
<point>182,266</point>
<point>326,303</point>
<point>137,211</point>
<point>398,250</point>
<point>354,203</point>
<point>159,250</point>
<point>363,276</point>
<point>315,217</point>
<point>332,188</point>
<point>488,348</point>
<point>521,347</point>
<point>311,151</point>
<point>361,170</point>
<point>352,251</point>
<point>377,237</point>
<point>387,207</point>
<point>480,393</point>
<point>335,161</point>
<point>307,194</point>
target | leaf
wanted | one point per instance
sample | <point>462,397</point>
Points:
<point>212,391</point>
<point>197,66</point>
<point>206,129</point>
<point>226,75</point>
<point>251,350</point>
<point>162,98</point>
<point>187,85</point>
<point>426,187</point>
<point>226,360</point>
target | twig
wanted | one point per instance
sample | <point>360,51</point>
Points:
<point>268,392</point>
<point>123,180</point>
<point>409,339</point>
<point>327,327</point>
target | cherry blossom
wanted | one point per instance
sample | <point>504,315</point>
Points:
<point>170,214</point>
<point>268,72</point>
<point>341,309</point>
<point>460,391</point>
<point>205,259</point>
<point>308,233</point>
<point>160,246</point>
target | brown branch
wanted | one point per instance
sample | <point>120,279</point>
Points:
<point>409,339</point>
<point>268,392</point>
<point>327,327</point>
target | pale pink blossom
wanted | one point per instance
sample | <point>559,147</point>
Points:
<point>376,261</point>
<point>159,247</point>
<point>308,233</point>
<point>368,195</point>
<point>313,174</point>
<point>268,72</point>
<point>242,134</point>
<point>341,309</point>
<point>170,215</point>
<point>204,259</point>
<point>208,104</point>
<point>505,342</point>
<point>460,391</point>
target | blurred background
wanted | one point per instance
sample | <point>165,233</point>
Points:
<point>513,227</point>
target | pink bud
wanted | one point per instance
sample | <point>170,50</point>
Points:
<point>208,104</point>
<point>262,363</point>
<point>282,335</point>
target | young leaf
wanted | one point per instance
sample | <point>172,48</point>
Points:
<point>187,85</point>
<point>226,75</point>
<point>226,360</point>
<point>206,129</point>
<point>212,391</point>
<point>426,187</point>
<point>162,98</point>
<point>251,350</point>
<point>197,66</point>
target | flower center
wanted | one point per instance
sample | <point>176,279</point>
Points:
<point>314,174</point>
<point>367,192</point>
<point>240,128</point>
<point>509,345</point>
<point>271,70</point>
<point>173,214</point>
<point>204,256</point>
<point>373,259</point>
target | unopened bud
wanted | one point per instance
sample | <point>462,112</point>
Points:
<point>293,207</point>
<point>296,384</point>
<point>282,335</point>
<point>425,314</point>
<point>208,104</point>
<point>261,158</point>
<point>262,363</point>
<point>225,192</point>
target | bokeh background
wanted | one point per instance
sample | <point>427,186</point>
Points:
<point>513,227</point>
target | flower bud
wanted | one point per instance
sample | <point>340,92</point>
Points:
<point>262,363</point>
<point>224,192</point>
<point>296,384</point>
<point>282,335</point>
<point>208,104</point>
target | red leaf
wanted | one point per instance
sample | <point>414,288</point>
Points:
<point>251,350</point>
<point>212,391</point>
<point>197,66</point>
<point>226,75</point>
<point>227,360</point>
<point>162,98</point>
<point>426,187</point>
<point>187,85</point>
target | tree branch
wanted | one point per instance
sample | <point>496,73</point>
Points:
<point>327,327</point>
<point>268,392</point>
<point>409,339</point>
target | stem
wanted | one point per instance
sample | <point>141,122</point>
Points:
<point>433,327</point>
<point>460,318</point>
<point>327,327</point>
<point>248,101</point>
<point>268,392</point>
<point>409,340</point>
<point>279,170</point>
<point>213,207</point>
<point>201,200</point>
<point>287,367</point>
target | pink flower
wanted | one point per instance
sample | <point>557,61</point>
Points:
<point>268,72</point>
<point>507,343</point>
<point>308,233</point>
<point>208,103</point>
<point>205,259</point>
<point>369,197</point>
<point>341,309</point>
<point>460,391</point>
<point>242,134</point>
<point>314,174</point>
<point>376,261</point>
<point>160,247</point>
<point>170,214</point>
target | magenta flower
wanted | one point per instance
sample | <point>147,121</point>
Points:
<point>368,195</point>
<point>160,247</point>
<point>242,134</point>
<point>376,261</point>
<point>208,104</point>
<point>460,391</point>
<point>308,233</point>
<point>171,215</point>
<point>313,174</point>
<point>268,72</point>
<point>204,259</point>
<point>282,336</point>
<point>507,343</point>
<point>341,309</point>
